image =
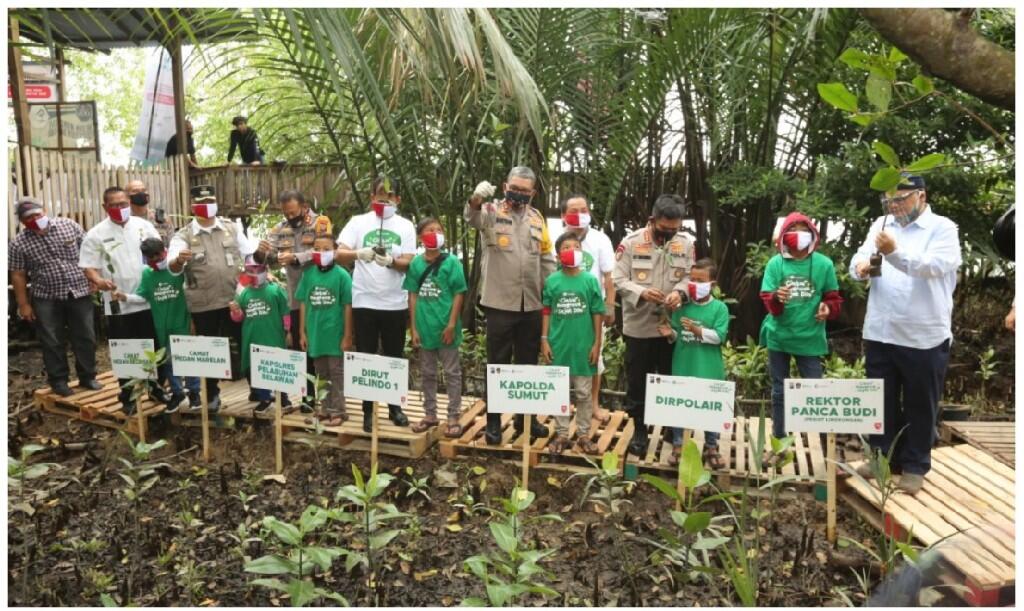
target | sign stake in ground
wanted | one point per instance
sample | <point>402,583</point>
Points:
<point>530,390</point>
<point>834,406</point>
<point>278,370</point>
<point>378,379</point>
<point>128,360</point>
<point>278,455</point>
<point>196,356</point>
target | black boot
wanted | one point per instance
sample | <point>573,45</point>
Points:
<point>537,430</point>
<point>367,419</point>
<point>397,416</point>
<point>493,434</point>
<point>638,445</point>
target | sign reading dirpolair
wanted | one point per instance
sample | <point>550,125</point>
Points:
<point>528,389</point>
<point>834,406</point>
<point>278,369</point>
<point>381,379</point>
<point>128,357</point>
<point>202,357</point>
<point>692,403</point>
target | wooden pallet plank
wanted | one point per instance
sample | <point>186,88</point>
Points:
<point>990,463</point>
<point>817,454</point>
<point>982,494</point>
<point>800,448</point>
<point>740,446</point>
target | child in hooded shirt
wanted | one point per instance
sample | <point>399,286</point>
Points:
<point>801,292</point>
<point>698,328</point>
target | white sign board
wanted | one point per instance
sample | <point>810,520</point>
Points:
<point>834,406</point>
<point>692,403</point>
<point>528,389</point>
<point>380,379</point>
<point>127,357</point>
<point>278,369</point>
<point>200,356</point>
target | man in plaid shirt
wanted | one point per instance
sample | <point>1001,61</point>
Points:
<point>45,252</point>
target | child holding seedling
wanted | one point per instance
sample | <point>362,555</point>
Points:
<point>573,311</point>
<point>801,292</point>
<point>436,287</point>
<point>164,291</point>
<point>324,294</point>
<point>262,308</point>
<point>698,329</point>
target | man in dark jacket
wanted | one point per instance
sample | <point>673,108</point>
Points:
<point>172,146</point>
<point>244,138</point>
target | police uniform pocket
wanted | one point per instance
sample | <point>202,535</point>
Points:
<point>536,234</point>
<point>642,271</point>
<point>503,237</point>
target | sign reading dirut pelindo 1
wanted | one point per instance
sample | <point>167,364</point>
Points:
<point>382,379</point>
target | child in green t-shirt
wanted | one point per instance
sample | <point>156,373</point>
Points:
<point>801,292</point>
<point>436,287</point>
<point>324,294</point>
<point>164,291</point>
<point>698,329</point>
<point>262,308</point>
<point>573,311</point>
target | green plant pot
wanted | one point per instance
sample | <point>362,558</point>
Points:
<point>954,412</point>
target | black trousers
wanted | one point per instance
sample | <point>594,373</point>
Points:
<point>644,355</point>
<point>218,323</point>
<point>380,332</point>
<point>512,337</point>
<point>54,317</point>
<point>137,325</point>
<point>914,379</point>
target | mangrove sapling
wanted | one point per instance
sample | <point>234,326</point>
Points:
<point>19,471</point>
<point>416,485</point>
<point>513,571</point>
<point>297,560</point>
<point>611,486</point>
<point>139,476</point>
<point>321,388</point>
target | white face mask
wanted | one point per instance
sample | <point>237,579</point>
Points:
<point>699,291</point>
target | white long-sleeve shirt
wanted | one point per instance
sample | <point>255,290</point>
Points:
<point>911,303</point>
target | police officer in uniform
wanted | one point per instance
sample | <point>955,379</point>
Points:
<point>652,267</point>
<point>138,195</point>
<point>517,259</point>
<point>211,250</point>
<point>290,246</point>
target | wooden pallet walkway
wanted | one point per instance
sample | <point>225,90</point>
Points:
<point>100,407</point>
<point>967,508</point>
<point>738,450</point>
<point>994,438</point>
<point>612,437</point>
<point>391,439</point>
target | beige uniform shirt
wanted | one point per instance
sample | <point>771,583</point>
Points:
<point>642,265</point>
<point>284,239</point>
<point>517,255</point>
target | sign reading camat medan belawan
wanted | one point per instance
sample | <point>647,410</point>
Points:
<point>201,357</point>
<point>692,403</point>
<point>278,369</point>
<point>381,379</point>
<point>128,358</point>
<point>834,406</point>
<point>528,389</point>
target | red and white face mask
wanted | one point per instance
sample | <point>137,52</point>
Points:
<point>160,264</point>
<point>38,224</point>
<point>577,220</point>
<point>383,210</point>
<point>571,258</point>
<point>205,211</point>
<point>797,240</point>
<point>433,240</point>
<point>698,291</point>
<point>119,215</point>
<point>323,258</point>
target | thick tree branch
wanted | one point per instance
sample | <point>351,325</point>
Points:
<point>945,46</point>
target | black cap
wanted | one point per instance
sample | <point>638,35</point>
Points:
<point>910,181</point>
<point>26,206</point>
<point>203,192</point>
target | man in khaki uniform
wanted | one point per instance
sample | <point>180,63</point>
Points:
<point>517,259</point>
<point>652,268</point>
<point>211,250</point>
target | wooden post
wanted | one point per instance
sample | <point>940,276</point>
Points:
<point>178,79</point>
<point>830,470</point>
<point>278,458</point>
<point>527,424</point>
<point>206,419</point>
<point>17,83</point>
<point>373,437</point>
<point>61,83</point>
<point>680,488</point>
<point>141,419</point>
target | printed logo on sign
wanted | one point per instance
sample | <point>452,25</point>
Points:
<point>727,425</point>
<point>565,409</point>
<point>878,426</point>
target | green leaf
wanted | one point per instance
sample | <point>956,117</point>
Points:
<point>358,476</point>
<point>107,600</point>
<point>504,537</point>
<point>478,470</point>
<point>691,467</point>
<point>666,488</point>
<point>838,96</point>
<point>520,500</point>
<point>282,530</point>
<point>473,601</point>
<point>863,119</point>
<point>708,543</point>
<point>855,58</point>
<point>926,163</point>
<point>923,84</point>
<point>338,598</point>
<point>610,462</point>
<point>477,565</point>
<point>678,517</point>
<point>271,565</point>
<point>896,56</point>
<point>879,92</point>
<point>909,552</point>
<point>380,540</point>
<point>312,518</point>
<point>29,449</point>
<point>885,179</point>
<point>499,593</point>
<point>301,592</point>
<point>321,556</point>
<point>35,471</point>
<point>697,521</point>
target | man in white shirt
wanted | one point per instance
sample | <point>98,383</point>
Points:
<point>381,244</point>
<point>908,326</point>
<point>599,260</point>
<point>111,258</point>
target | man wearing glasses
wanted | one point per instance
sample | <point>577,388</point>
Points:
<point>907,328</point>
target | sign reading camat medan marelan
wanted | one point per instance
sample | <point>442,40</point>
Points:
<point>834,406</point>
<point>528,389</point>
<point>200,356</point>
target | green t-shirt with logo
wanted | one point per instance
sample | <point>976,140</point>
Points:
<point>692,356</point>
<point>325,293</point>
<point>165,294</point>
<point>796,331</point>
<point>573,302</point>
<point>265,308</point>
<point>434,299</point>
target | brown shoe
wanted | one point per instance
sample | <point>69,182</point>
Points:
<point>910,483</point>
<point>864,470</point>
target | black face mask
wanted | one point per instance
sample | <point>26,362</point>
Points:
<point>663,236</point>
<point>297,221</point>
<point>139,199</point>
<point>517,199</point>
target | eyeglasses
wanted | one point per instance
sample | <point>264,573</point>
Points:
<point>888,201</point>
<point>520,190</point>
